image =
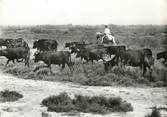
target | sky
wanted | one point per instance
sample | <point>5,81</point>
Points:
<point>83,12</point>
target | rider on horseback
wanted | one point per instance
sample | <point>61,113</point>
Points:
<point>107,33</point>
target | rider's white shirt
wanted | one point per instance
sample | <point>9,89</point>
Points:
<point>107,31</point>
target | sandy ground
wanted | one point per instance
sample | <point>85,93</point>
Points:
<point>35,91</point>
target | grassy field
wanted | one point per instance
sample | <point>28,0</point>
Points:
<point>132,36</point>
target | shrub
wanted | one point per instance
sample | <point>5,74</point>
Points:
<point>9,96</point>
<point>155,113</point>
<point>60,103</point>
<point>95,104</point>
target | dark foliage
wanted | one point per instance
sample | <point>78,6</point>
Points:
<point>95,104</point>
<point>9,96</point>
<point>155,113</point>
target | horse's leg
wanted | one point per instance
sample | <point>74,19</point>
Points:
<point>113,39</point>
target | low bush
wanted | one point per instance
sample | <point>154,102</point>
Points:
<point>9,96</point>
<point>155,113</point>
<point>95,104</point>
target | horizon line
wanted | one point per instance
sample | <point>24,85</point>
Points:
<point>84,25</point>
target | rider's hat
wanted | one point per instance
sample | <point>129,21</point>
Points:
<point>106,26</point>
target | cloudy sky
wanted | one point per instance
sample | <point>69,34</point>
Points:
<point>83,12</point>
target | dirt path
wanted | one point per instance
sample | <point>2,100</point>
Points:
<point>35,91</point>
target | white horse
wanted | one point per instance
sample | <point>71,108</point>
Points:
<point>105,39</point>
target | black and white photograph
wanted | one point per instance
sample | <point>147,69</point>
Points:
<point>83,58</point>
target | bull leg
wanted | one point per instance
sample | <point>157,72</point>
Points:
<point>63,66</point>
<point>27,63</point>
<point>150,73</point>
<point>92,61</point>
<point>49,66</point>
<point>70,67</point>
<point>144,70</point>
<point>87,60</point>
<point>110,55</point>
<point>116,59</point>
<point>141,69</point>
<point>81,59</point>
<point>13,61</point>
<point>123,63</point>
<point>7,62</point>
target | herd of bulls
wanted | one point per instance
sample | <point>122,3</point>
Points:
<point>18,50</point>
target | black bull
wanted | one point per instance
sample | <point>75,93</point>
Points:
<point>97,52</point>
<point>91,54</point>
<point>142,58</point>
<point>115,50</point>
<point>17,53</point>
<point>50,57</point>
<point>45,45</point>
<point>75,47</point>
<point>162,55</point>
<point>13,43</point>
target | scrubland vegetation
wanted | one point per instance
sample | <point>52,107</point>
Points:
<point>95,104</point>
<point>9,96</point>
<point>141,36</point>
